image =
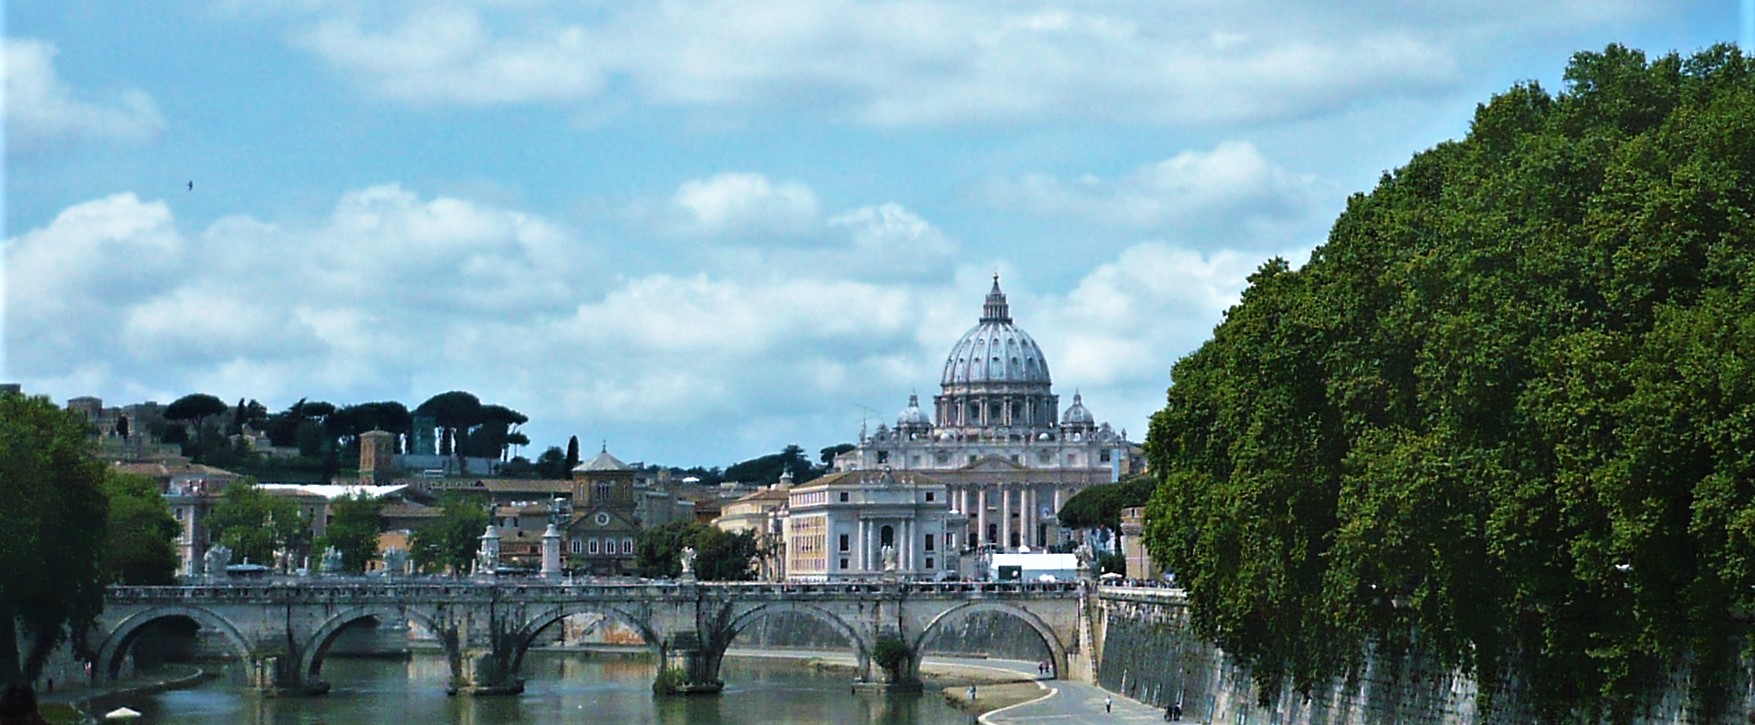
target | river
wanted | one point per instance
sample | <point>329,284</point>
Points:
<point>559,687</point>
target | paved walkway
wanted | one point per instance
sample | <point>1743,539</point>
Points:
<point>1063,702</point>
<point>1073,702</point>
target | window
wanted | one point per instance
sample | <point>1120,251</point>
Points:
<point>950,540</point>
<point>843,497</point>
<point>971,459</point>
<point>929,562</point>
<point>929,496</point>
<point>576,546</point>
<point>843,562</point>
<point>627,546</point>
<point>883,456</point>
<point>594,546</point>
<point>844,542</point>
<point>929,541</point>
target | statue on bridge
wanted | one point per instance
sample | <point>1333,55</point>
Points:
<point>889,553</point>
<point>331,561</point>
<point>216,560</point>
<point>395,561</point>
<point>688,563</point>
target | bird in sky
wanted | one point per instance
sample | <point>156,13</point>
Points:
<point>191,185</point>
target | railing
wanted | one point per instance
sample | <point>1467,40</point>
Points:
<point>377,588</point>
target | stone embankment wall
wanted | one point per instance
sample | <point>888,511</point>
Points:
<point>1148,653</point>
<point>981,634</point>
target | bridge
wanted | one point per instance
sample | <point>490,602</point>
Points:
<point>283,629</point>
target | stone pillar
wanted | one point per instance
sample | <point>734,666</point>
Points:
<point>278,675</point>
<point>1056,527</point>
<point>551,553</point>
<point>690,667</point>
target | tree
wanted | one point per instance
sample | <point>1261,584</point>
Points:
<point>450,541</point>
<point>354,524</point>
<point>1100,506</point>
<point>454,412</point>
<point>767,469</point>
<point>829,453</point>
<point>52,510</point>
<point>1501,414</point>
<point>254,523</point>
<point>552,464</point>
<point>139,533</point>
<point>572,454</point>
<point>719,555</point>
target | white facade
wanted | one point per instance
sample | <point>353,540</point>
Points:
<point>838,526</point>
<point>1007,454</point>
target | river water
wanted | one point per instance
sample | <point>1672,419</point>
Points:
<point>559,687</point>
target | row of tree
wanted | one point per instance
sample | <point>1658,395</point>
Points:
<point>1503,413</point>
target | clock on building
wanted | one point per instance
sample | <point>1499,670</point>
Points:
<point>603,518</point>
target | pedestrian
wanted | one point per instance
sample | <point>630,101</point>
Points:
<point>971,694</point>
<point>1107,701</point>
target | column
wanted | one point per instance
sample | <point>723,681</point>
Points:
<point>981,516</point>
<point>1005,517</point>
<point>1056,490</point>
<point>1027,521</point>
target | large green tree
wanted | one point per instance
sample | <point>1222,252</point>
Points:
<point>52,513</point>
<point>719,555</point>
<point>353,528</point>
<point>450,541</point>
<point>1502,413</point>
<point>139,533</point>
<point>254,523</point>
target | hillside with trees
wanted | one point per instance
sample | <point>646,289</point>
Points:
<point>1506,413</point>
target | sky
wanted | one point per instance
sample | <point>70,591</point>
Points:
<point>703,230</point>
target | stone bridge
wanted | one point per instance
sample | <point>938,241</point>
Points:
<point>282,629</point>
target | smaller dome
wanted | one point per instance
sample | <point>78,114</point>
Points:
<point>913,416</point>
<point>1077,414</point>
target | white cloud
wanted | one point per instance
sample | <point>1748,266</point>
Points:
<point>1228,197</point>
<point>928,62</point>
<point>41,109</point>
<point>746,205</point>
<point>399,296</point>
<point>447,54</point>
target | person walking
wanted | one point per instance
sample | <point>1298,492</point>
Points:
<point>1107,701</point>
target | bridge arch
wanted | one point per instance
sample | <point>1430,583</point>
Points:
<point>526,634</point>
<point>120,639</point>
<point>1056,649</point>
<point>317,645</point>
<point>861,648</point>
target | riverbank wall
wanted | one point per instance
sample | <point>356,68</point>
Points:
<point>1148,652</point>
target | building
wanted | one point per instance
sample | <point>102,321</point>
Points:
<point>837,527</point>
<point>603,527</point>
<point>1133,546</point>
<point>762,514</point>
<point>997,438</point>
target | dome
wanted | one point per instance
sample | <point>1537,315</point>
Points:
<point>995,350</point>
<point>913,416</point>
<point>1077,414</point>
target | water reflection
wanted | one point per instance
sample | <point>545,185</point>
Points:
<point>560,687</point>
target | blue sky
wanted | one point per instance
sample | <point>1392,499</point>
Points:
<point>703,230</point>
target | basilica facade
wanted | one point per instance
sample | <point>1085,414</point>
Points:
<point>996,437</point>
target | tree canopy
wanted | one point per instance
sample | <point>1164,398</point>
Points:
<point>52,511</point>
<point>450,541</point>
<point>1506,406</point>
<point>767,469</point>
<point>353,530</point>
<point>138,533</point>
<point>254,523</point>
<point>1100,506</point>
<point>719,555</point>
